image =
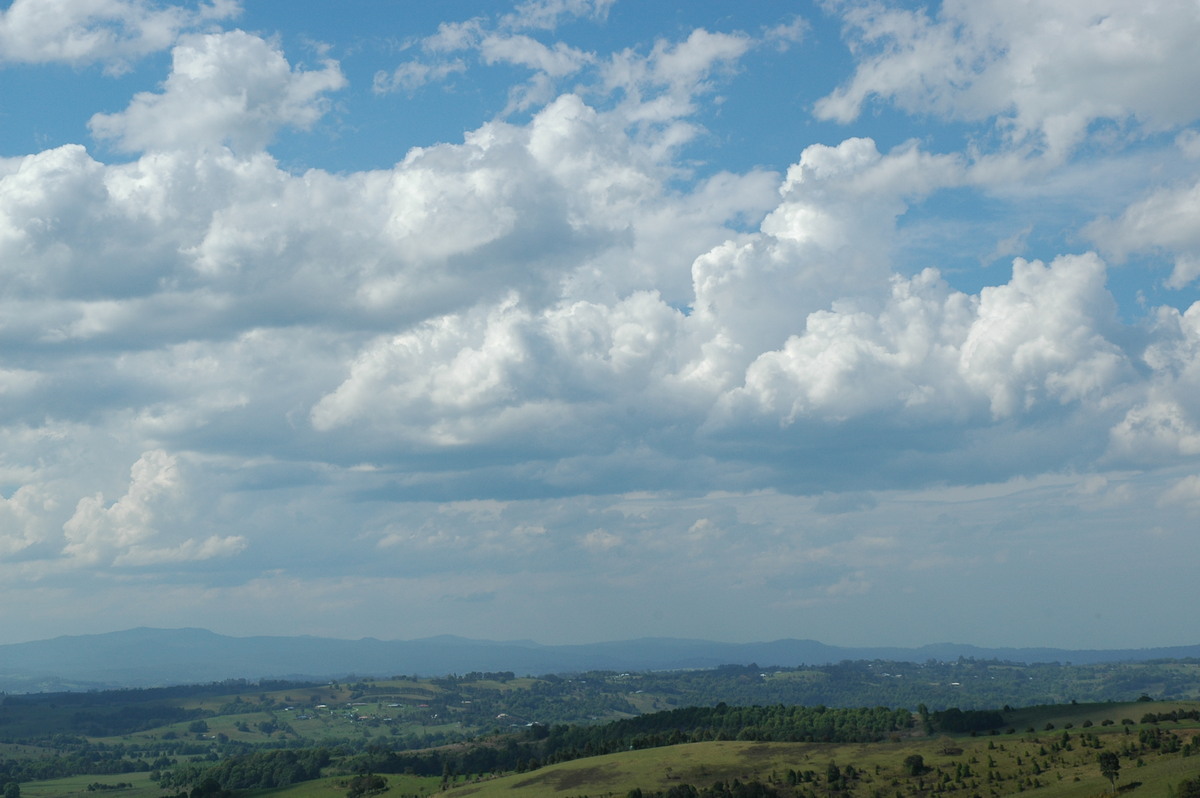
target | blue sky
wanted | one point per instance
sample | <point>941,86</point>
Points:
<point>578,320</point>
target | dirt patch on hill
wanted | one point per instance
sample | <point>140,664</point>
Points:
<point>571,778</point>
<point>759,752</point>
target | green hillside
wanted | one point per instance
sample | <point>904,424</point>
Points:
<point>1054,762</point>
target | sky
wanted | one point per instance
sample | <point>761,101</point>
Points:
<point>874,323</point>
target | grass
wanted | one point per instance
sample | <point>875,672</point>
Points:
<point>22,751</point>
<point>657,768</point>
<point>335,787</point>
<point>329,787</point>
<point>704,763</point>
<point>78,785</point>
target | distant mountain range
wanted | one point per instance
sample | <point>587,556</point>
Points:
<point>156,657</point>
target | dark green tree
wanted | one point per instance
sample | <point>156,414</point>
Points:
<point>1110,767</point>
<point>1189,788</point>
<point>366,784</point>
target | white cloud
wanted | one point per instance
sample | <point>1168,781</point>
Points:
<point>452,36</point>
<point>1046,70</point>
<point>1043,336</point>
<point>1159,429</point>
<point>15,382</point>
<point>686,65</point>
<point>662,85</point>
<point>557,61</point>
<point>506,373</point>
<point>937,354</point>
<point>189,550</point>
<point>112,32</point>
<point>23,518</point>
<point>600,540</point>
<point>548,14</point>
<point>126,531</point>
<point>96,529</point>
<point>409,307</point>
<point>828,239</point>
<point>1164,221</point>
<point>655,88</point>
<point>412,75</point>
<point>785,34</point>
<point>500,42</point>
<point>1165,422</point>
<point>1185,491</point>
<point>847,363</point>
<point>230,89</point>
<point>41,211</point>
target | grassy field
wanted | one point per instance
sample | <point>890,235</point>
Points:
<point>702,764</point>
<point>141,787</point>
<point>399,786</point>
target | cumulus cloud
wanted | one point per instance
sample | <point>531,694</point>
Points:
<point>229,88</point>
<point>96,528</point>
<point>508,374</point>
<point>1165,422</point>
<point>935,353</point>
<point>828,239</point>
<point>798,322</point>
<point>1045,73</point>
<point>449,334</point>
<point>1161,222</point>
<point>110,32</point>
<point>1043,335</point>
<point>22,519</point>
<point>126,529</point>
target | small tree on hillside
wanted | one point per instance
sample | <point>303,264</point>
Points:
<point>1110,767</point>
<point>833,775</point>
